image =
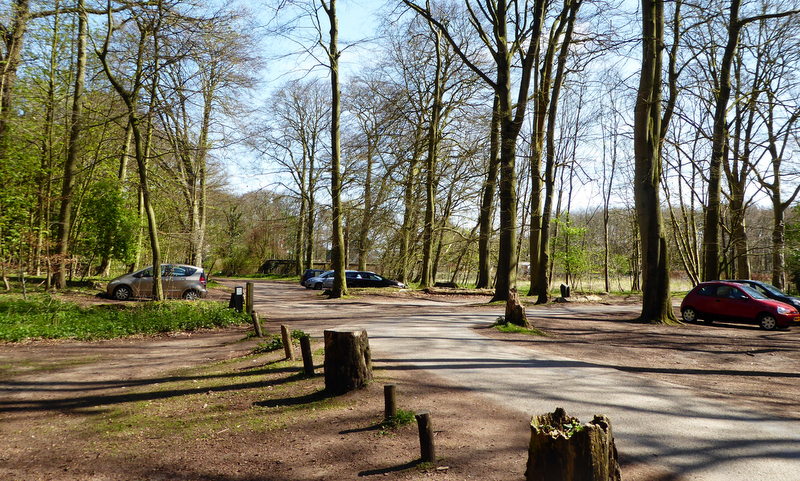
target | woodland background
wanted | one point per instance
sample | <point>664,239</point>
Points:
<point>120,122</point>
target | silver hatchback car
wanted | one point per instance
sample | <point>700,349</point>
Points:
<point>178,280</point>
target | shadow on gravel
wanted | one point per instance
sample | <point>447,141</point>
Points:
<point>392,469</point>
<point>96,401</point>
<point>320,395</point>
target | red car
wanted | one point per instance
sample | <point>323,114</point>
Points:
<point>736,302</point>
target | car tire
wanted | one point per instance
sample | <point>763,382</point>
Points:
<point>689,315</point>
<point>123,293</point>
<point>318,286</point>
<point>767,322</point>
<point>191,295</point>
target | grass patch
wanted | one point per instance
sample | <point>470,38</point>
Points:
<point>401,418</point>
<point>504,326</point>
<point>276,342</point>
<point>45,317</point>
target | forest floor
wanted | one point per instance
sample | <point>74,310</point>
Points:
<point>200,406</point>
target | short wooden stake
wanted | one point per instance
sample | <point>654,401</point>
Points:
<point>256,324</point>
<point>426,448</point>
<point>248,299</point>
<point>287,342</point>
<point>390,401</point>
<point>305,350</point>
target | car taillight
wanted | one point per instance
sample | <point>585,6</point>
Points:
<point>203,278</point>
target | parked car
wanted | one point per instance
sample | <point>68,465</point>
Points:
<point>316,281</point>
<point>308,274</point>
<point>363,279</point>
<point>178,280</point>
<point>726,300</point>
<point>771,291</point>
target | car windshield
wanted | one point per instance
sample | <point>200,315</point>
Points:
<point>752,292</point>
<point>772,289</point>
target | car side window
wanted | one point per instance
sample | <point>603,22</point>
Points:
<point>723,291</point>
<point>147,272</point>
<point>707,291</point>
<point>178,271</point>
<point>737,294</point>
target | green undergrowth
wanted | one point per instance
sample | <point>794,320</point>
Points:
<point>275,342</point>
<point>401,418</point>
<point>45,317</point>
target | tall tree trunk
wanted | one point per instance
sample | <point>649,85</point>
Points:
<point>366,218</point>
<point>486,219</point>
<point>70,165</point>
<point>571,8</point>
<point>339,249</point>
<point>541,95</point>
<point>656,300</point>
<point>719,139</point>
<point>427,279</point>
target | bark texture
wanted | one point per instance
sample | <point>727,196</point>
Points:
<point>348,362</point>
<point>561,449</point>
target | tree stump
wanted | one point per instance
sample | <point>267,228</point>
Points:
<point>348,363</point>
<point>563,449</point>
<point>515,311</point>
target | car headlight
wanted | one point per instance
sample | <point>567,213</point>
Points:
<point>785,310</point>
<point>796,302</point>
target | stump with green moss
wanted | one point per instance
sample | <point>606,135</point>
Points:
<point>562,448</point>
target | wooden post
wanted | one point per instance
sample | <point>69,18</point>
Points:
<point>390,401</point>
<point>248,299</point>
<point>561,448</point>
<point>305,350</point>
<point>426,448</point>
<point>287,342</point>
<point>256,324</point>
<point>348,362</point>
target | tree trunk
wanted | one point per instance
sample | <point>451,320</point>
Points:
<point>487,202</point>
<point>430,167</point>
<point>70,165</point>
<point>561,449</point>
<point>719,139</point>
<point>543,265</point>
<point>338,256</point>
<point>656,302</point>
<point>348,361</point>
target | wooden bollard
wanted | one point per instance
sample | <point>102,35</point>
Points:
<point>390,401</point>
<point>287,342</point>
<point>305,350</point>
<point>248,299</point>
<point>426,448</point>
<point>256,324</point>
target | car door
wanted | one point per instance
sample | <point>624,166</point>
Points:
<point>353,279</point>
<point>732,303</point>
<point>142,283</point>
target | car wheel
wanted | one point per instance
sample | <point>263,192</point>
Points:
<point>318,286</point>
<point>689,315</point>
<point>122,293</point>
<point>767,321</point>
<point>191,295</point>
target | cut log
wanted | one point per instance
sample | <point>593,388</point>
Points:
<point>348,362</point>
<point>561,448</point>
<point>515,311</point>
